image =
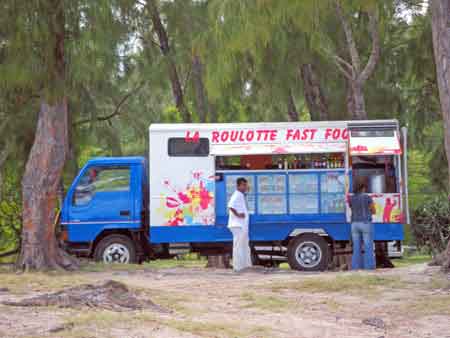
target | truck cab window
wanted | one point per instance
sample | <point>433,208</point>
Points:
<point>179,146</point>
<point>97,180</point>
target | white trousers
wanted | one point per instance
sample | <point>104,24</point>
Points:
<point>241,249</point>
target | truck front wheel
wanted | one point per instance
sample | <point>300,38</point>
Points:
<point>308,252</point>
<point>115,249</point>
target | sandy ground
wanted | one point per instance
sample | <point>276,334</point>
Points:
<point>404,302</point>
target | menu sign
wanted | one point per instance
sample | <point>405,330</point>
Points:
<point>272,204</point>
<point>304,204</point>
<point>332,182</point>
<point>303,183</point>
<point>271,184</point>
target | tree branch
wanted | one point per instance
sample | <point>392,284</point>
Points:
<point>9,253</point>
<point>344,67</point>
<point>116,110</point>
<point>4,154</point>
<point>342,70</point>
<point>356,62</point>
<point>343,62</point>
<point>186,79</point>
<point>375,53</point>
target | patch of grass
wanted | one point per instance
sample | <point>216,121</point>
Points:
<point>411,260</point>
<point>429,305</point>
<point>104,320</point>
<point>331,304</point>
<point>155,264</point>
<point>209,329</point>
<point>265,302</point>
<point>176,263</point>
<point>439,283</point>
<point>171,301</point>
<point>350,283</point>
<point>39,281</point>
<point>100,267</point>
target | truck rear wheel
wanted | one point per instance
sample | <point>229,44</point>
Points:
<point>308,252</point>
<point>115,249</point>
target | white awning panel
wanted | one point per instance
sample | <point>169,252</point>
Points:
<point>276,148</point>
<point>372,145</point>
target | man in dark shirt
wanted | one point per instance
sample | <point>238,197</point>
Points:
<point>363,208</point>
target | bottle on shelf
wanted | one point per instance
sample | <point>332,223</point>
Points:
<point>323,163</point>
<point>280,164</point>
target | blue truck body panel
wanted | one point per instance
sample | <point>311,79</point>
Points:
<point>104,211</point>
<point>266,232</point>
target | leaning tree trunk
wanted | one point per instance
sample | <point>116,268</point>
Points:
<point>440,17</point>
<point>314,97</point>
<point>39,249</point>
<point>292,109</point>
<point>201,99</point>
<point>43,171</point>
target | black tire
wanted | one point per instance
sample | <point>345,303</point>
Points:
<point>308,252</point>
<point>119,248</point>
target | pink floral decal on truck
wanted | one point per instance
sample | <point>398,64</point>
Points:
<point>190,205</point>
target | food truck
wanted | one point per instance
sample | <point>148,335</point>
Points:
<point>128,209</point>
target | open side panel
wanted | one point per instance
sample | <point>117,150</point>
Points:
<point>374,139</point>
<point>375,150</point>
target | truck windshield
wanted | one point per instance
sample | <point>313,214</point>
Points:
<point>100,179</point>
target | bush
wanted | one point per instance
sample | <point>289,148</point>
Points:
<point>10,214</point>
<point>431,224</point>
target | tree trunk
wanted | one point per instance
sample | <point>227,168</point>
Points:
<point>43,171</point>
<point>177,89</point>
<point>39,249</point>
<point>446,262</point>
<point>350,100</point>
<point>359,112</point>
<point>292,109</point>
<point>440,17</point>
<point>201,99</point>
<point>219,261</point>
<point>315,99</point>
<point>440,14</point>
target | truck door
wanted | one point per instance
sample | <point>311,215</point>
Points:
<point>101,198</point>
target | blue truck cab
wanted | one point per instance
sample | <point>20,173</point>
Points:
<point>128,209</point>
<point>107,200</point>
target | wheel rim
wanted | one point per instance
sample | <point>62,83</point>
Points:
<point>308,254</point>
<point>116,253</point>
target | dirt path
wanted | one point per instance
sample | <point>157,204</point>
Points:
<point>399,303</point>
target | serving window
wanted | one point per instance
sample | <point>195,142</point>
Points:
<point>281,162</point>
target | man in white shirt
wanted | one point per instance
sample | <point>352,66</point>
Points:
<point>238,225</point>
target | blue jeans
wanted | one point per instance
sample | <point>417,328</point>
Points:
<point>362,232</point>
